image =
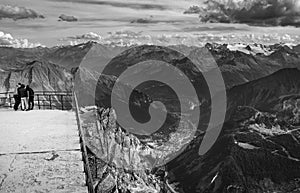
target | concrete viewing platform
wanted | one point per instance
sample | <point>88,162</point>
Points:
<point>40,152</point>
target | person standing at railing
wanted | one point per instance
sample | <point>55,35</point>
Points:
<point>23,94</point>
<point>17,97</point>
<point>30,94</point>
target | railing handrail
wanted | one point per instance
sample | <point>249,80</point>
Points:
<point>44,99</point>
<point>41,92</point>
<point>89,179</point>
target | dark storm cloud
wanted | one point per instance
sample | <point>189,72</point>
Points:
<point>67,18</point>
<point>254,12</point>
<point>117,4</point>
<point>15,13</point>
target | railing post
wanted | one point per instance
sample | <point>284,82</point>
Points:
<point>62,102</point>
<point>10,105</point>
<point>38,96</point>
<point>43,99</point>
<point>87,169</point>
<point>50,101</point>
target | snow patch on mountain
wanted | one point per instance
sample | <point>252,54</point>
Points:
<point>246,145</point>
<point>261,128</point>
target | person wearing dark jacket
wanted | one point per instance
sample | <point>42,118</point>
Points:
<point>30,93</point>
<point>17,98</point>
<point>23,94</point>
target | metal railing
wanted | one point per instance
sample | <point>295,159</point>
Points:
<point>87,169</point>
<point>61,100</point>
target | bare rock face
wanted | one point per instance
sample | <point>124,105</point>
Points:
<point>121,163</point>
<point>113,145</point>
<point>107,185</point>
<point>290,110</point>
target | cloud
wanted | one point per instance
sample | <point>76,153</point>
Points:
<point>91,36</point>
<point>67,18</point>
<point>6,40</point>
<point>193,10</point>
<point>129,38</point>
<point>146,20</point>
<point>253,12</point>
<point>132,5</point>
<point>15,13</point>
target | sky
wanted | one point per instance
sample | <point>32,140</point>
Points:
<point>104,20</point>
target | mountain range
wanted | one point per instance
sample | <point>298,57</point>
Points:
<point>257,150</point>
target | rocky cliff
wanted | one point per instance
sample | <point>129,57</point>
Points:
<point>120,162</point>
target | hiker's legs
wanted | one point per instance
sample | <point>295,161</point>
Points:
<point>30,103</point>
<point>24,104</point>
<point>17,102</point>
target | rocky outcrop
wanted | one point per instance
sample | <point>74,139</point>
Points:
<point>118,159</point>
